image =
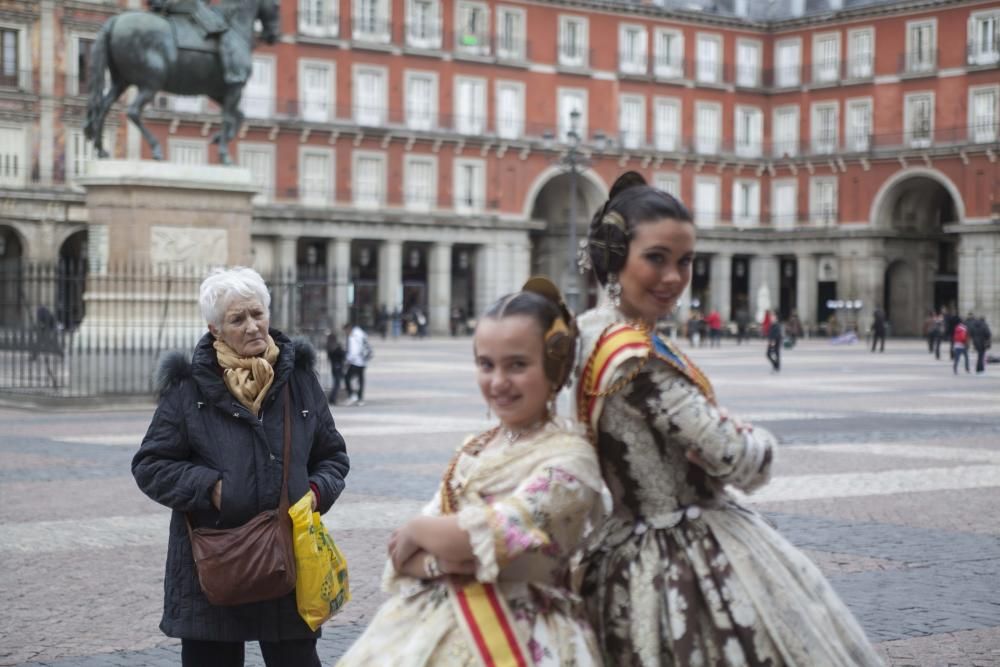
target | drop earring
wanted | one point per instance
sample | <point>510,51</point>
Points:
<point>614,290</point>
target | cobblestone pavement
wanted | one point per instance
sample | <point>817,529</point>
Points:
<point>889,478</point>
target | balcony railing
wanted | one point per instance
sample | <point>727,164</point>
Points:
<point>321,22</point>
<point>980,54</point>
<point>423,34</point>
<point>918,62</point>
<point>669,67</point>
<point>574,56</point>
<point>371,29</point>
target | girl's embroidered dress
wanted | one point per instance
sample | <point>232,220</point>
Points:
<point>526,507</point>
<point>681,574</point>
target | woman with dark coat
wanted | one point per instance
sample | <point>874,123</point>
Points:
<point>214,452</point>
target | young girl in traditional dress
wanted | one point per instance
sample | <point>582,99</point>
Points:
<point>681,573</point>
<point>481,577</point>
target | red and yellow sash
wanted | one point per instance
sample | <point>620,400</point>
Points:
<point>618,343</point>
<point>482,611</point>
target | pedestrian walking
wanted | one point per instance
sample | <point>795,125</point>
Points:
<point>682,573</point>
<point>982,340</point>
<point>878,330</point>
<point>774,341</point>
<point>937,330</point>
<point>714,323</point>
<point>794,330</point>
<point>742,324</point>
<point>480,577</point>
<point>215,454</point>
<point>335,354</point>
<point>359,353</point>
<point>960,341</point>
<point>951,320</point>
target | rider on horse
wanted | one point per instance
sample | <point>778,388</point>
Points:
<point>236,63</point>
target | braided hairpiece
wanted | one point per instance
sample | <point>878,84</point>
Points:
<point>560,339</point>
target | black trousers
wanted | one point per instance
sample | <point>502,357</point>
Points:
<point>289,653</point>
<point>876,338</point>
<point>359,373</point>
<point>337,373</point>
<point>981,359</point>
<point>774,355</point>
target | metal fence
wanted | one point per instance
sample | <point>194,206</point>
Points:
<point>73,330</point>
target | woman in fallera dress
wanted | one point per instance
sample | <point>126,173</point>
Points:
<point>682,573</point>
<point>481,577</point>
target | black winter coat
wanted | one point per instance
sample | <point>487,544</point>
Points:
<point>199,434</point>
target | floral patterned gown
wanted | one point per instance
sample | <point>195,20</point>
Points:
<point>527,507</point>
<point>681,574</point>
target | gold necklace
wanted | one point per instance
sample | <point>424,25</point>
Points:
<point>513,435</point>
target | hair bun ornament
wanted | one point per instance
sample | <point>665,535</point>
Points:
<point>608,243</point>
<point>560,339</point>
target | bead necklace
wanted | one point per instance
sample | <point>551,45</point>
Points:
<point>512,435</point>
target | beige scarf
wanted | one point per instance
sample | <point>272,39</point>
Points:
<point>247,378</point>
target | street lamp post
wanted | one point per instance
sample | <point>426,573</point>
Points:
<point>572,160</point>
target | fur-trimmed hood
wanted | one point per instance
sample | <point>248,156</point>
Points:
<point>176,366</point>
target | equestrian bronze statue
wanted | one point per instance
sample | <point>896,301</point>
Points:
<point>184,47</point>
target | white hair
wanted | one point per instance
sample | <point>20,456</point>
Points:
<point>222,285</point>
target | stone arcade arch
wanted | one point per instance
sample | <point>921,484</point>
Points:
<point>14,308</point>
<point>921,261</point>
<point>548,201</point>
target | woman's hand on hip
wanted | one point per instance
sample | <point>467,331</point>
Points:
<point>217,495</point>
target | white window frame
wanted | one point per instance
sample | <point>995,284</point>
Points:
<point>782,146</point>
<point>979,53</point>
<point>709,219</point>
<point>670,140</point>
<point>669,182</point>
<point>376,116</point>
<point>748,146</point>
<point>381,31</point>
<point>563,111</point>
<point>858,68</point>
<point>478,202</point>
<point>751,217</point>
<point>704,143</point>
<point>515,129</point>
<point>632,138</point>
<point>73,62</point>
<point>359,198</point>
<point>824,145</point>
<point>913,138</point>
<point>18,156</point>
<point>639,63</point>
<point>517,50</point>
<point>779,218</point>
<point>80,151</point>
<point>193,104</point>
<point>266,182</point>
<point>823,214</point>
<point>412,115</point>
<point>318,115</point>
<point>823,70</point>
<point>326,194</point>
<point>481,44</point>
<point>255,105</point>
<point>472,121</point>
<point>855,140</point>
<point>25,67</point>
<point>581,57</point>
<point>668,65</point>
<point>705,73</point>
<point>988,133</point>
<point>748,74</point>
<point>917,62</point>
<point>412,199</point>
<point>189,145</point>
<point>328,14</point>
<point>414,38</point>
<point>788,76</point>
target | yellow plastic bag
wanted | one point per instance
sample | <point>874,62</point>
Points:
<point>321,585</point>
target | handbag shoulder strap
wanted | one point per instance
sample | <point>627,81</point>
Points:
<point>287,454</point>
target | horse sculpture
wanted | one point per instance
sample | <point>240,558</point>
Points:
<point>169,53</point>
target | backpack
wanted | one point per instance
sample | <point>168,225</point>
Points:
<point>961,334</point>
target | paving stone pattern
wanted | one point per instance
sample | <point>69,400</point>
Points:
<point>889,478</point>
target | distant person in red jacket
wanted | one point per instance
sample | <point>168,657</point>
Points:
<point>960,339</point>
<point>714,322</point>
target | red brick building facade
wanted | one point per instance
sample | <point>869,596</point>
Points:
<point>413,153</point>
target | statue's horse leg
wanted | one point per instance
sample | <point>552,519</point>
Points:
<point>144,97</point>
<point>114,92</point>
<point>232,119</point>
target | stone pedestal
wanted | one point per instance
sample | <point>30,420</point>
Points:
<point>155,229</point>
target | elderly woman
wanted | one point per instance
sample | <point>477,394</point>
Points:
<point>213,454</point>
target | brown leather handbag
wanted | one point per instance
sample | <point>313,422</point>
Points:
<point>255,561</point>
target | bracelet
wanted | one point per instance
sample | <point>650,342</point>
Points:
<point>431,567</point>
